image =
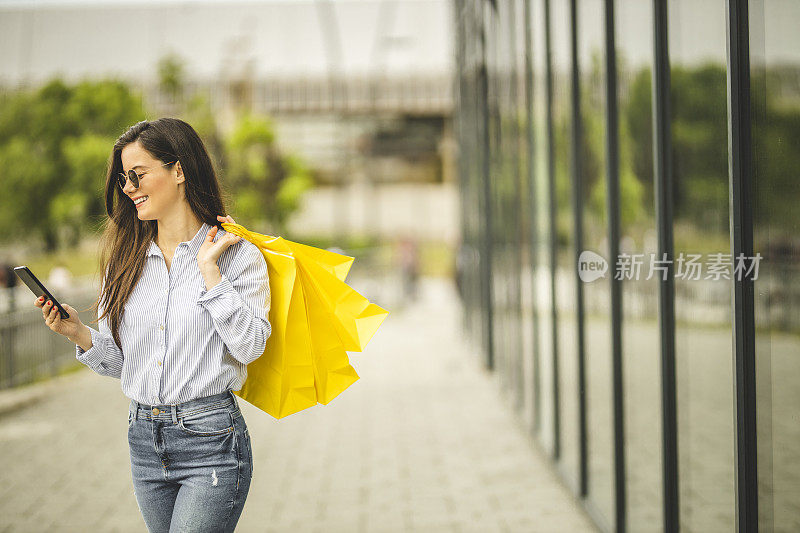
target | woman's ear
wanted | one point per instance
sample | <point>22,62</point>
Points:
<point>180,178</point>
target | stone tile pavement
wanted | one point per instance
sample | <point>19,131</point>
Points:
<point>424,441</point>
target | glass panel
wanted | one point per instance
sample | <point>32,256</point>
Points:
<point>565,279</point>
<point>703,351</point>
<point>515,192</point>
<point>597,319</point>
<point>640,331</point>
<point>775,71</point>
<point>506,199</point>
<point>498,231</point>
<point>542,273</point>
<point>527,212</point>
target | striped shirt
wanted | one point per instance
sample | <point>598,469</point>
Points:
<point>179,340</point>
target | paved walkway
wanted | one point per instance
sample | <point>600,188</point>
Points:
<point>424,441</point>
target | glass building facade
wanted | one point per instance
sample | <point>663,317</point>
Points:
<point>658,135</point>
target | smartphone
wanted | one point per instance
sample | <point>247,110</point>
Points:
<point>37,287</point>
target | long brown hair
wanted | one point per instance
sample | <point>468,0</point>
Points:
<point>126,239</point>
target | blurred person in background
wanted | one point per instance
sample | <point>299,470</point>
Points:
<point>182,311</point>
<point>8,278</point>
<point>409,265</point>
<point>459,266</point>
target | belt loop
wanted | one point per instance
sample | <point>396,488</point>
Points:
<point>174,409</point>
<point>233,396</point>
<point>136,413</point>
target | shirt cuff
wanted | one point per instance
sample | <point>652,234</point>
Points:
<point>219,301</point>
<point>93,356</point>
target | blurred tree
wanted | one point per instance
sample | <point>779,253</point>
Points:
<point>700,145</point>
<point>698,100</point>
<point>195,108</point>
<point>171,76</point>
<point>83,204</point>
<point>636,113</point>
<point>51,159</point>
<point>197,112</point>
<point>267,184</point>
<point>775,140</point>
<point>28,176</point>
<point>55,144</point>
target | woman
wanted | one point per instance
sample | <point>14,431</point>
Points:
<point>182,311</point>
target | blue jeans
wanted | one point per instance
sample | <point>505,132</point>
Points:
<point>191,463</point>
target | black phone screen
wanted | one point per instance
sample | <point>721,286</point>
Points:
<point>37,287</point>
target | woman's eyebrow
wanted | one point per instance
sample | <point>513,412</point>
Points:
<point>135,167</point>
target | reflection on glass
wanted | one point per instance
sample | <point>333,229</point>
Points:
<point>703,349</point>
<point>505,174</point>
<point>567,332</point>
<point>542,275</point>
<point>640,331</point>
<point>597,319</point>
<point>498,185</point>
<point>775,69</point>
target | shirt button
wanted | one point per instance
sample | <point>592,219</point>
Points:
<point>161,327</point>
<point>159,363</point>
<point>155,411</point>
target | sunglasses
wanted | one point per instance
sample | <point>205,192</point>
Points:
<point>122,178</point>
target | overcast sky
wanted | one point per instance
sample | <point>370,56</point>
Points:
<point>278,38</point>
<point>42,38</point>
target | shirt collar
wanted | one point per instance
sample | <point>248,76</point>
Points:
<point>194,244</point>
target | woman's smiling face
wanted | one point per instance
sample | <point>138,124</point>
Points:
<point>161,185</point>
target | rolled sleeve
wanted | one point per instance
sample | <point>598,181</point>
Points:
<point>104,357</point>
<point>239,305</point>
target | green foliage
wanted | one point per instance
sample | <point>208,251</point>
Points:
<point>297,181</point>
<point>776,136</point>
<point>87,160</point>
<point>171,75</point>
<point>54,146</point>
<point>268,184</point>
<point>700,146</point>
<point>25,188</point>
<point>563,180</point>
<point>698,99</point>
<point>56,140</point>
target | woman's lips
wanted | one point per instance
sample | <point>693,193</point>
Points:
<point>140,203</point>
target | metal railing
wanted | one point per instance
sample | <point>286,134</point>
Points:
<point>30,351</point>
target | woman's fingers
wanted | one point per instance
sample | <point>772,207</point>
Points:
<point>50,317</point>
<point>232,238</point>
<point>50,312</point>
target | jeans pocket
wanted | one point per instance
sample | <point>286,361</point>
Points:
<point>207,424</point>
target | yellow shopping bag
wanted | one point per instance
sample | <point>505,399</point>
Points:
<point>316,318</point>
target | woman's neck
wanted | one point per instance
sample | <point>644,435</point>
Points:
<point>171,234</point>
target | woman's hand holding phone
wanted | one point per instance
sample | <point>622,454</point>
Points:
<point>70,327</point>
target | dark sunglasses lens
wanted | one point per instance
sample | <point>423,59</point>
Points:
<point>131,175</point>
